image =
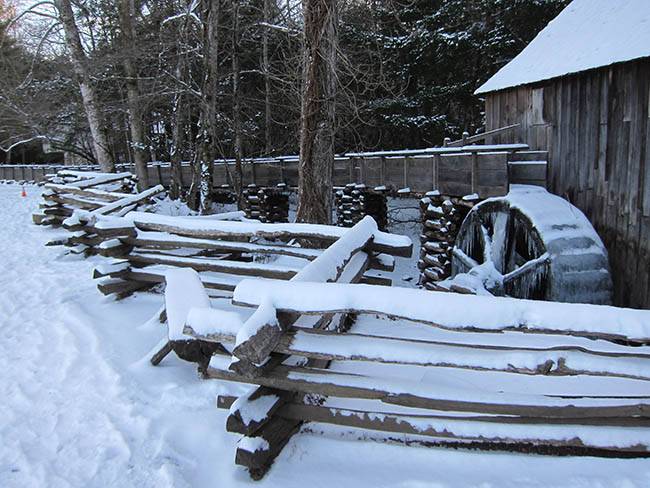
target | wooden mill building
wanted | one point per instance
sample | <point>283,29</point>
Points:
<point>580,90</point>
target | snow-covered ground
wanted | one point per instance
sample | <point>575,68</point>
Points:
<point>81,406</point>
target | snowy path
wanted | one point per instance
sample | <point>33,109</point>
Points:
<point>80,405</point>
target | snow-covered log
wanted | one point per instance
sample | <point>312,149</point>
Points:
<point>450,311</point>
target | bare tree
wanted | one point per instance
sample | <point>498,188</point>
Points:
<point>268,146</point>
<point>202,185</point>
<point>127,13</point>
<point>87,88</point>
<point>317,124</point>
<point>236,103</point>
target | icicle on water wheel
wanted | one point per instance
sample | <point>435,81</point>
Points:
<point>531,244</point>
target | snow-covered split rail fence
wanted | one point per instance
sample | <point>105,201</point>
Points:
<point>257,342</point>
<point>223,249</point>
<point>454,370</point>
<point>69,190</point>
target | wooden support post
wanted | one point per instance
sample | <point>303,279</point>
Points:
<point>258,453</point>
<point>352,176</point>
<point>436,171</point>
<point>283,178</point>
<point>406,171</point>
<point>382,171</point>
<point>160,355</point>
<point>159,171</point>
<point>474,172</point>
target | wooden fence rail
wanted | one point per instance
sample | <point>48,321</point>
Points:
<point>465,371</point>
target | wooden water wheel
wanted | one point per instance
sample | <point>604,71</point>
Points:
<point>531,244</point>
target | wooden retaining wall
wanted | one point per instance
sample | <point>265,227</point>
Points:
<point>484,170</point>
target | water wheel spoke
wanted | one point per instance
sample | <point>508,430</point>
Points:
<point>500,240</point>
<point>527,267</point>
<point>464,258</point>
<point>487,244</point>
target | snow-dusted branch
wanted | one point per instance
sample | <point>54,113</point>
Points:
<point>22,141</point>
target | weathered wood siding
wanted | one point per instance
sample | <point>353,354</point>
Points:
<point>595,127</point>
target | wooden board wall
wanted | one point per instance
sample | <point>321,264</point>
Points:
<point>596,128</point>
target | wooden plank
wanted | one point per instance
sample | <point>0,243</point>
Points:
<point>102,180</point>
<point>484,135</point>
<point>532,316</point>
<point>254,409</point>
<point>161,240</point>
<point>526,171</point>
<point>120,287</point>
<point>382,242</point>
<point>88,192</point>
<point>226,401</point>
<point>75,202</point>
<point>221,266</point>
<point>554,361</point>
<point>156,274</point>
<point>345,385</point>
<point>528,442</point>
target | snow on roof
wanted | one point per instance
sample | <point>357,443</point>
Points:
<point>587,34</point>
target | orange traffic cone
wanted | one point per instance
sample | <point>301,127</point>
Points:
<point>23,193</point>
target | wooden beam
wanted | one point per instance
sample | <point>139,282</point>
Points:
<point>221,266</point>
<point>555,361</point>
<point>344,385</point>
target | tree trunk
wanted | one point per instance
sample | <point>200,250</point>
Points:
<point>202,185</point>
<point>318,112</point>
<point>127,13</point>
<point>88,93</point>
<point>236,104</point>
<point>268,145</point>
<point>176,180</point>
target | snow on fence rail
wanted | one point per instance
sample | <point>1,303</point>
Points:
<point>222,248</point>
<point>71,191</point>
<point>461,371</point>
